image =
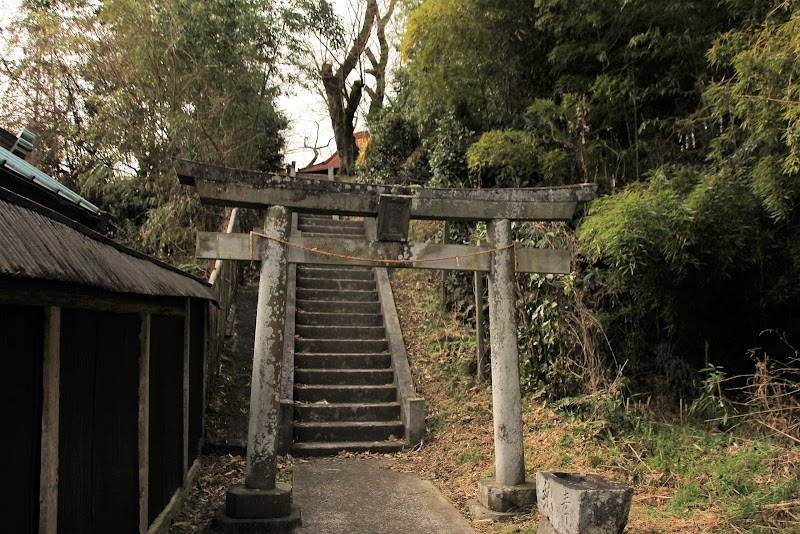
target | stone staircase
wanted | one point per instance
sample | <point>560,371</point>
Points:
<point>344,393</point>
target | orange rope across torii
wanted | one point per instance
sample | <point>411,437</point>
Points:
<point>374,260</point>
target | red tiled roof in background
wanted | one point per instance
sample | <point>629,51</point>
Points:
<point>334,161</point>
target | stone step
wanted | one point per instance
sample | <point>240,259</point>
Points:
<point>334,235</point>
<point>342,273</point>
<point>329,267</point>
<point>337,319</point>
<point>381,360</point>
<point>344,377</point>
<point>337,295</point>
<point>348,431</point>
<point>326,306</point>
<point>330,223</point>
<point>334,448</point>
<point>340,345</point>
<point>347,394</point>
<point>332,231</point>
<point>305,282</point>
<point>340,332</point>
<point>361,411</point>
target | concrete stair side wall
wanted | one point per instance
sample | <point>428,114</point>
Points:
<point>412,406</point>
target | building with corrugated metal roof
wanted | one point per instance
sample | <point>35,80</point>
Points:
<point>105,355</point>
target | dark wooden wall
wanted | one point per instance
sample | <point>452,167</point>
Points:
<point>21,353</point>
<point>166,411</point>
<point>98,410</point>
<point>197,372</point>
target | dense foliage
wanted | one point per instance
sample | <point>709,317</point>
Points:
<point>389,155</point>
<point>685,113</point>
<point>115,89</point>
<point>713,250</point>
<point>477,59</point>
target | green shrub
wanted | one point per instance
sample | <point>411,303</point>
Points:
<point>514,158</point>
<point>448,154</point>
<point>393,154</point>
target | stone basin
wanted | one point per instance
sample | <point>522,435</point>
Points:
<point>583,503</point>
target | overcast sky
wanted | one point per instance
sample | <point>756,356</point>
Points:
<point>308,118</point>
<point>7,9</point>
<point>305,109</point>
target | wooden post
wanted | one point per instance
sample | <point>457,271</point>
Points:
<point>442,290</point>
<point>187,340</point>
<point>51,379</point>
<point>506,398</point>
<point>207,333</point>
<point>480,342</point>
<point>267,355</point>
<point>144,423</point>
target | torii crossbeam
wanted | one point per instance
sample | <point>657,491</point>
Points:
<point>249,189</point>
<point>394,207</point>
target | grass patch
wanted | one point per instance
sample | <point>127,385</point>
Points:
<point>686,478</point>
<point>472,455</point>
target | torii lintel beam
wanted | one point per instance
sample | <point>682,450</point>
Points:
<point>234,187</point>
<point>212,245</point>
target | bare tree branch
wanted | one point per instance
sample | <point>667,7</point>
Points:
<point>343,102</point>
<point>379,65</point>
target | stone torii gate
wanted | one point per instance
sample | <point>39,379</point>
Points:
<point>263,501</point>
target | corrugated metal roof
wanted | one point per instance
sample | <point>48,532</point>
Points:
<point>35,244</point>
<point>26,170</point>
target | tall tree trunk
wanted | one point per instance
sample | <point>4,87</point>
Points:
<point>343,104</point>
<point>379,64</point>
<point>342,108</point>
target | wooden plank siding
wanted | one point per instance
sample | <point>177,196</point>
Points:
<point>144,423</point>
<point>98,412</point>
<point>100,386</point>
<point>166,411</point>
<point>196,374</point>
<point>51,390</point>
<point>21,339</point>
<point>187,344</point>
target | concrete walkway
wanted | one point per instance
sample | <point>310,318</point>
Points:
<point>363,496</point>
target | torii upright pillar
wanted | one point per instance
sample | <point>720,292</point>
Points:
<point>262,430</point>
<point>508,490</point>
<point>506,397</point>
<point>261,504</point>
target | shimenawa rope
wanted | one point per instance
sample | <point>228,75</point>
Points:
<point>375,260</point>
